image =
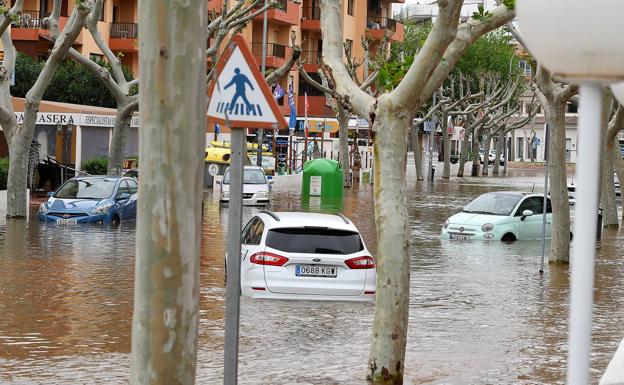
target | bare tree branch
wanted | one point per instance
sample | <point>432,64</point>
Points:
<point>7,18</point>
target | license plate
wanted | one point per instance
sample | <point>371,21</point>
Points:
<point>459,237</point>
<point>66,221</point>
<point>315,271</point>
<point>248,201</point>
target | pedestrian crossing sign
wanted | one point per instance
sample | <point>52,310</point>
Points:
<point>239,97</point>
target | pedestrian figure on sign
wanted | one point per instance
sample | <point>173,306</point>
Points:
<point>239,81</point>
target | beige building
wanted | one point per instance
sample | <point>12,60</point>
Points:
<point>118,26</point>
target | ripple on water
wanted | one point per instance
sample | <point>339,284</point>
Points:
<point>479,312</point>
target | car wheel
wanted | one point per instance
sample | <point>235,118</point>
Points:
<point>115,221</point>
<point>508,238</point>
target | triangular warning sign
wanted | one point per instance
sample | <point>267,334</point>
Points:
<point>240,97</point>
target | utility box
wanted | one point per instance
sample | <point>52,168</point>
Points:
<point>322,178</point>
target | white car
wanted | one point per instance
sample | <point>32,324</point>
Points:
<point>256,189</point>
<point>305,256</point>
<point>502,216</point>
<point>491,157</point>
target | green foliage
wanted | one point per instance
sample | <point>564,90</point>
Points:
<point>491,53</point>
<point>391,73</point>
<point>72,83</point>
<point>4,172</point>
<point>511,4</point>
<point>481,14</point>
<point>96,166</point>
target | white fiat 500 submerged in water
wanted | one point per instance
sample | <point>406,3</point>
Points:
<point>309,256</point>
<point>502,216</point>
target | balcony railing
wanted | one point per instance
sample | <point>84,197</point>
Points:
<point>280,4</point>
<point>31,19</point>
<point>124,30</point>
<point>381,23</point>
<point>273,49</point>
<point>311,57</point>
<point>311,13</point>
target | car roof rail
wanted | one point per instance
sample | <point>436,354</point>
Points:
<point>346,221</point>
<point>271,214</point>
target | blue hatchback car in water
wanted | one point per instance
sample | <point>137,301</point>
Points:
<point>93,199</point>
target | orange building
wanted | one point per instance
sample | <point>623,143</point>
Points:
<point>118,26</point>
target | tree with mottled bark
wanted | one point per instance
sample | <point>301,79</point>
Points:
<point>172,63</point>
<point>20,136</point>
<point>342,114</point>
<point>613,121</point>
<point>390,116</point>
<point>553,97</point>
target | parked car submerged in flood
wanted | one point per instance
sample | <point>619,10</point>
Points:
<point>502,216</point>
<point>93,199</point>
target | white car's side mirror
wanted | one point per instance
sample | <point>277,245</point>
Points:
<point>526,213</point>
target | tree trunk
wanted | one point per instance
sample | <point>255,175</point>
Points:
<point>120,137</point>
<point>386,361</point>
<point>486,156</point>
<point>19,148</point>
<point>343,143</point>
<point>171,147</point>
<point>560,243</point>
<point>618,164</point>
<point>446,140</point>
<point>607,195</point>
<point>417,151</point>
<point>500,146</point>
<point>475,153</point>
<point>463,155</point>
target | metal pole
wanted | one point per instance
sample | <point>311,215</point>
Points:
<point>545,198</point>
<point>232,297</point>
<point>582,261</point>
<point>263,67</point>
<point>507,153</point>
<point>430,139</point>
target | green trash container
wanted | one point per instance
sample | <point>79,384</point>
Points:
<point>323,178</point>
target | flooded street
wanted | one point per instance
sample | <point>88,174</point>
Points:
<point>479,312</point>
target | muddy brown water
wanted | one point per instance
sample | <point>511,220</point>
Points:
<point>479,312</point>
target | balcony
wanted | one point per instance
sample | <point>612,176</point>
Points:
<point>311,18</point>
<point>31,25</point>
<point>377,27</point>
<point>311,60</point>
<point>276,54</point>
<point>123,37</point>
<point>286,13</point>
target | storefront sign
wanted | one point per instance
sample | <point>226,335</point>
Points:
<point>51,118</point>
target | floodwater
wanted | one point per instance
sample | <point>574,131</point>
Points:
<point>479,312</point>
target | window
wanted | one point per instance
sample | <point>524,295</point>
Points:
<point>350,6</point>
<point>525,67</point>
<point>249,231</point>
<point>124,188</point>
<point>257,233</point>
<point>88,188</point>
<point>305,87</point>
<point>102,10</point>
<point>314,240</point>
<point>134,187</point>
<point>535,204</point>
<point>572,108</point>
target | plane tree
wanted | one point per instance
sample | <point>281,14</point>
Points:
<point>390,115</point>
<point>19,136</point>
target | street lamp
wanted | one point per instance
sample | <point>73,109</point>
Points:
<point>578,41</point>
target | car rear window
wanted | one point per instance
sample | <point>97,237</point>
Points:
<point>314,240</point>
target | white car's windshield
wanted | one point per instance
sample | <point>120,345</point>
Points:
<point>250,176</point>
<point>89,188</point>
<point>493,204</point>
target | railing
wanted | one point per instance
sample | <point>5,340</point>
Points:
<point>311,57</point>
<point>381,23</point>
<point>311,13</point>
<point>273,49</point>
<point>279,4</point>
<point>124,30</point>
<point>31,19</point>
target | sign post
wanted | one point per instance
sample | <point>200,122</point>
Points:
<point>239,97</point>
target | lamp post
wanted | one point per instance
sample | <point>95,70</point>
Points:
<point>592,57</point>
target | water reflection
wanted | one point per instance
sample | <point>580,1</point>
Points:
<point>479,312</point>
